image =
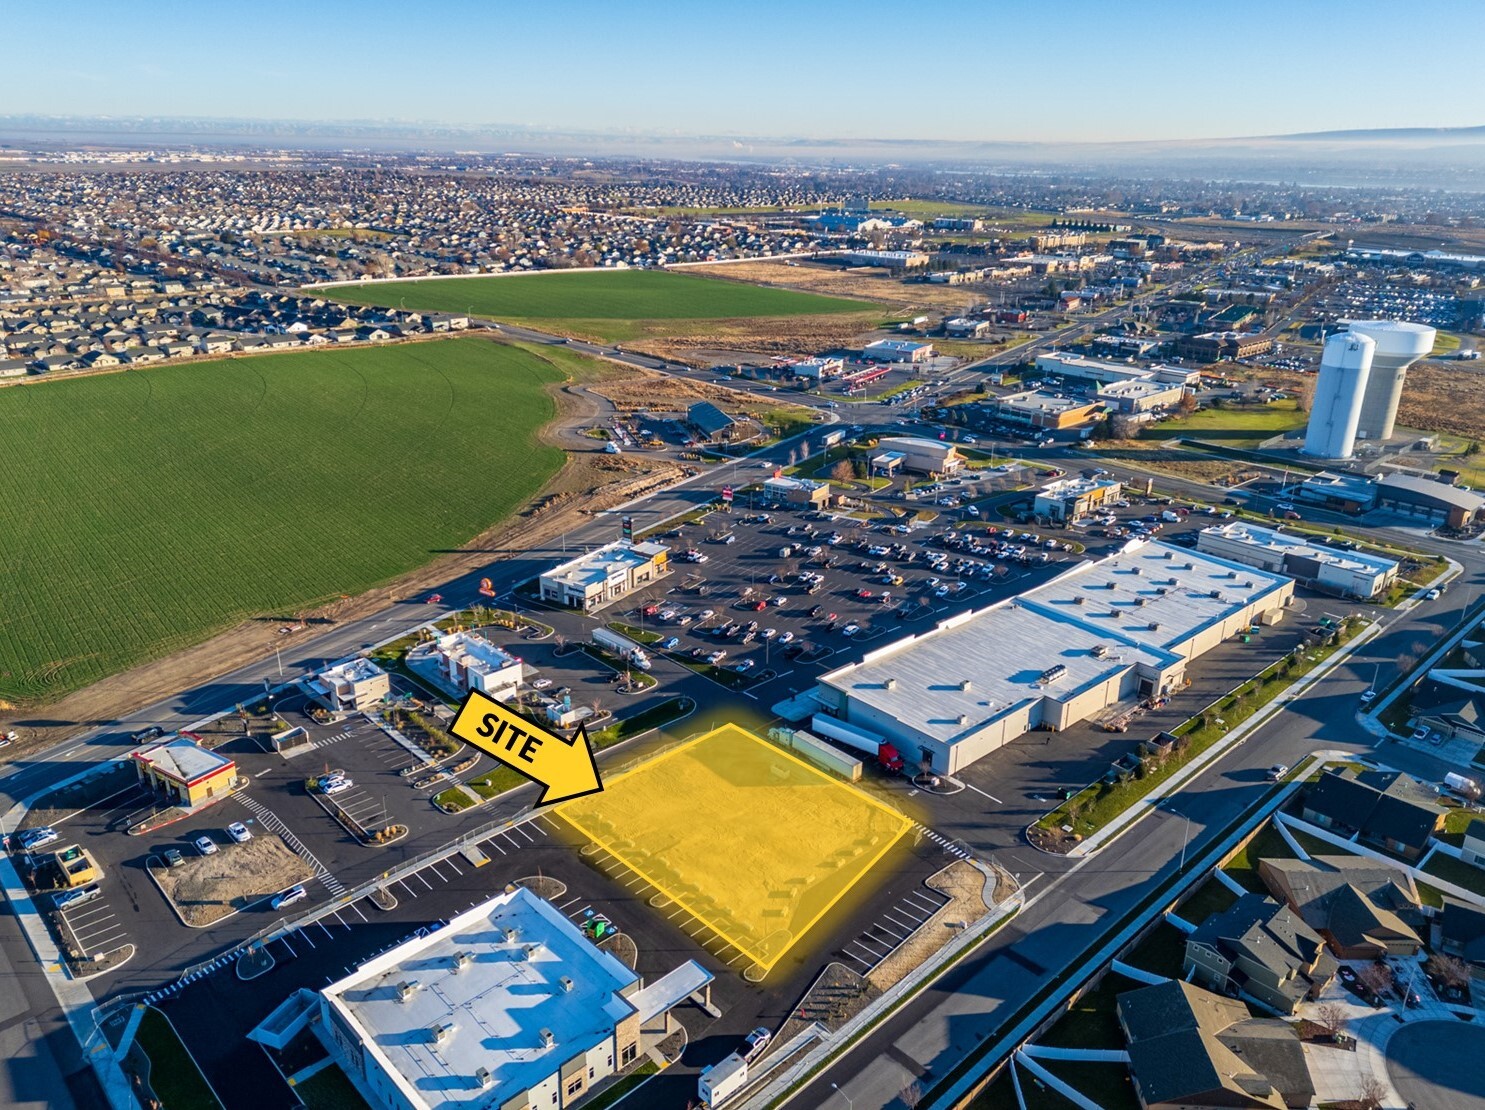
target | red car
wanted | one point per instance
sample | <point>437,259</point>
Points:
<point>434,599</point>
<point>864,595</point>
<point>758,607</point>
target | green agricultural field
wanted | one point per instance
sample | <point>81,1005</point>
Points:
<point>607,304</point>
<point>145,510</point>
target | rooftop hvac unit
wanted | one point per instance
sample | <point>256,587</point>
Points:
<point>1136,571</point>
<point>483,1078</point>
<point>1248,584</point>
<point>461,960</point>
<point>1169,555</point>
<point>965,685</point>
<point>441,1032</point>
<point>1141,601</point>
<point>1099,651</point>
<point>1161,590</point>
<point>1154,626</point>
<point>512,935</point>
<point>566,982</point>
<point>1190,566</point>
<point>889,684</point>
<point>1232,574</point>
<point>529,951</point>
<point>548,1038</point>
<point>407,988</point>
<point>1215,595</point>
<point>963,719</point>
<point>1114,613</point>
<point>1052,674</point>
<point>1078,600</point>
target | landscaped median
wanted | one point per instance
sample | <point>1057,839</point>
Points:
<point>1097,805</point>
<point>493,783</point>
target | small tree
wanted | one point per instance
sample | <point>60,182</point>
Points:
<point>1371,1094</point>
<point>843,471</point>
<point>1449,970</point>
<point>1332,1015</point>
<point>1187,404</point>
<point>1376,978</point>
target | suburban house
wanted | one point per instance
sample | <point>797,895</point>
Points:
<point>1443,703</point>
<point>1261,949</point>
<point>1357,905</point>
<point>1189,1047</point>
<point>1462,934</point>
<point>1384,809</point>
<point>1473,848</point>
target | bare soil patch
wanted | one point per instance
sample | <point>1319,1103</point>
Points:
<point>838,995</point>
<point>964,884</point>
<point>864,283</point>
<point>1439,397</point>
<point>680,341</point>
<point>205,889</point>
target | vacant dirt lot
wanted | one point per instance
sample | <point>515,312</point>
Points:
<point>208,888</point>
<point>1439,397</point>
<point>863,283</point>
<point>645,389</point>
<point>685,342</point>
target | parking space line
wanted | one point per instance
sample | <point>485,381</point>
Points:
<point>916,897</point>
<point>357,908</point>
<point>452,865</point>
<point>881,928</point>
<point>326,930</point>
<point>410,892</point>
<point>911,924</point>
<point>289,946</point>
<point>305,937</point>
<point>497,847</point>
<point>336,914</point>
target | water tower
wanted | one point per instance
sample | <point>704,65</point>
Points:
<point>1399,345</point>
<point>1345,368</point>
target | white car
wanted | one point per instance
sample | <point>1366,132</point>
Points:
<point>337,786</point>
<point>205,845</point>
<point>769,633</point>
<point>1419,735</point>
<point>239,832</point>
<point>850,630</point>
<point>670,644</point>
<point>71,898</point>
<point>541,684</point>
<point>707,614</point>
<point>786,638</point>
<point>1433,594</point>
<point>32,839</point>
<point>289,897</point>
<point>745,666</point>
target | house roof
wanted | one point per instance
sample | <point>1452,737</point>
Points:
<point>708,417</point>
<point>1186,1043</point>
<point>1272,935</point>
<point>1385,805</point>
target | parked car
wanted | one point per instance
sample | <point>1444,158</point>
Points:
<point>1420,734</point>
<point>68,899</point>
<point>205,845</point>
<point>541,684</point>
<point>1433,594</point>
<point>32,839</point>
<point>239,832</point>
<point>173,858</point>
<point>670,644</point>
<point>1368,696</point>
<point>337,786</point>
<point>1277,772</point>
<point>754,1044</point>
<point>289,897</point>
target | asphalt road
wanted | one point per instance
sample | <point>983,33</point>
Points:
<point>1433,1065</point>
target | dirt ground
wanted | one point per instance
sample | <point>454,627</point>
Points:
<point>208,888</point>
<point>838,995</point>
<point>783,335</point>
<point>965,886</point>
<point>1444,397</point>
<point>1152,455</point>
<point>864,283</point>
<point>647,390</point>
<point>589,482</point>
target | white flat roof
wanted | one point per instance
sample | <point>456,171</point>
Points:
<point>1002,651</point>
<point>498,1004</point>
<point>1287,543</point>
<point>352,670</point>
<point>1154,582</point>
<point>1039,400</point>
<point>597,567</point>
<point>1076,487</point>
<point>916,443</point>
<point>1135,387</point>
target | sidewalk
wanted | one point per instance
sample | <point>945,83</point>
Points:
<point>1139,809</point>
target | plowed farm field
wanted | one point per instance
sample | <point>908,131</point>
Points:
<point>144,511</point>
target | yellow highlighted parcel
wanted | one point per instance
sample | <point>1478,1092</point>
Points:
<point>750,840</point>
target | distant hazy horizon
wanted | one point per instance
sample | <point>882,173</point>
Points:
<point>942,70</point>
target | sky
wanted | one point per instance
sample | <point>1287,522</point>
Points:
<point>1049,70</point>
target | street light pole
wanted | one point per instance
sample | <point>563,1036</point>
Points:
<point>1184,841</point>
<point>849,1102</point>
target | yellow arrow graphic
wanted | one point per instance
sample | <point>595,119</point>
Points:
<point>564,768</point>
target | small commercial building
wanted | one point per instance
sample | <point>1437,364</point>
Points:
<point>924,456</point>
<point>797,491</point>
<point>1214,346</point>
<point>710,423</point>
<point>818,369</point>
<point>1103,634</point>
<point>1141,395</point>
<point>184,772</point>
<point>602,577</point>
<point>354,686</point>
<point>1346,573</point>
<point>885,464</point>
<point>1070,499</point>
<point>1348,493</point>
<point>467,661</point>
<point>1078,368</point>
<point>898,350</point>
<point>507,1006</point>
<point>889,260</point>
<point>963,327</point>
<point>1433,502</point>
<point>1038,408</point>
